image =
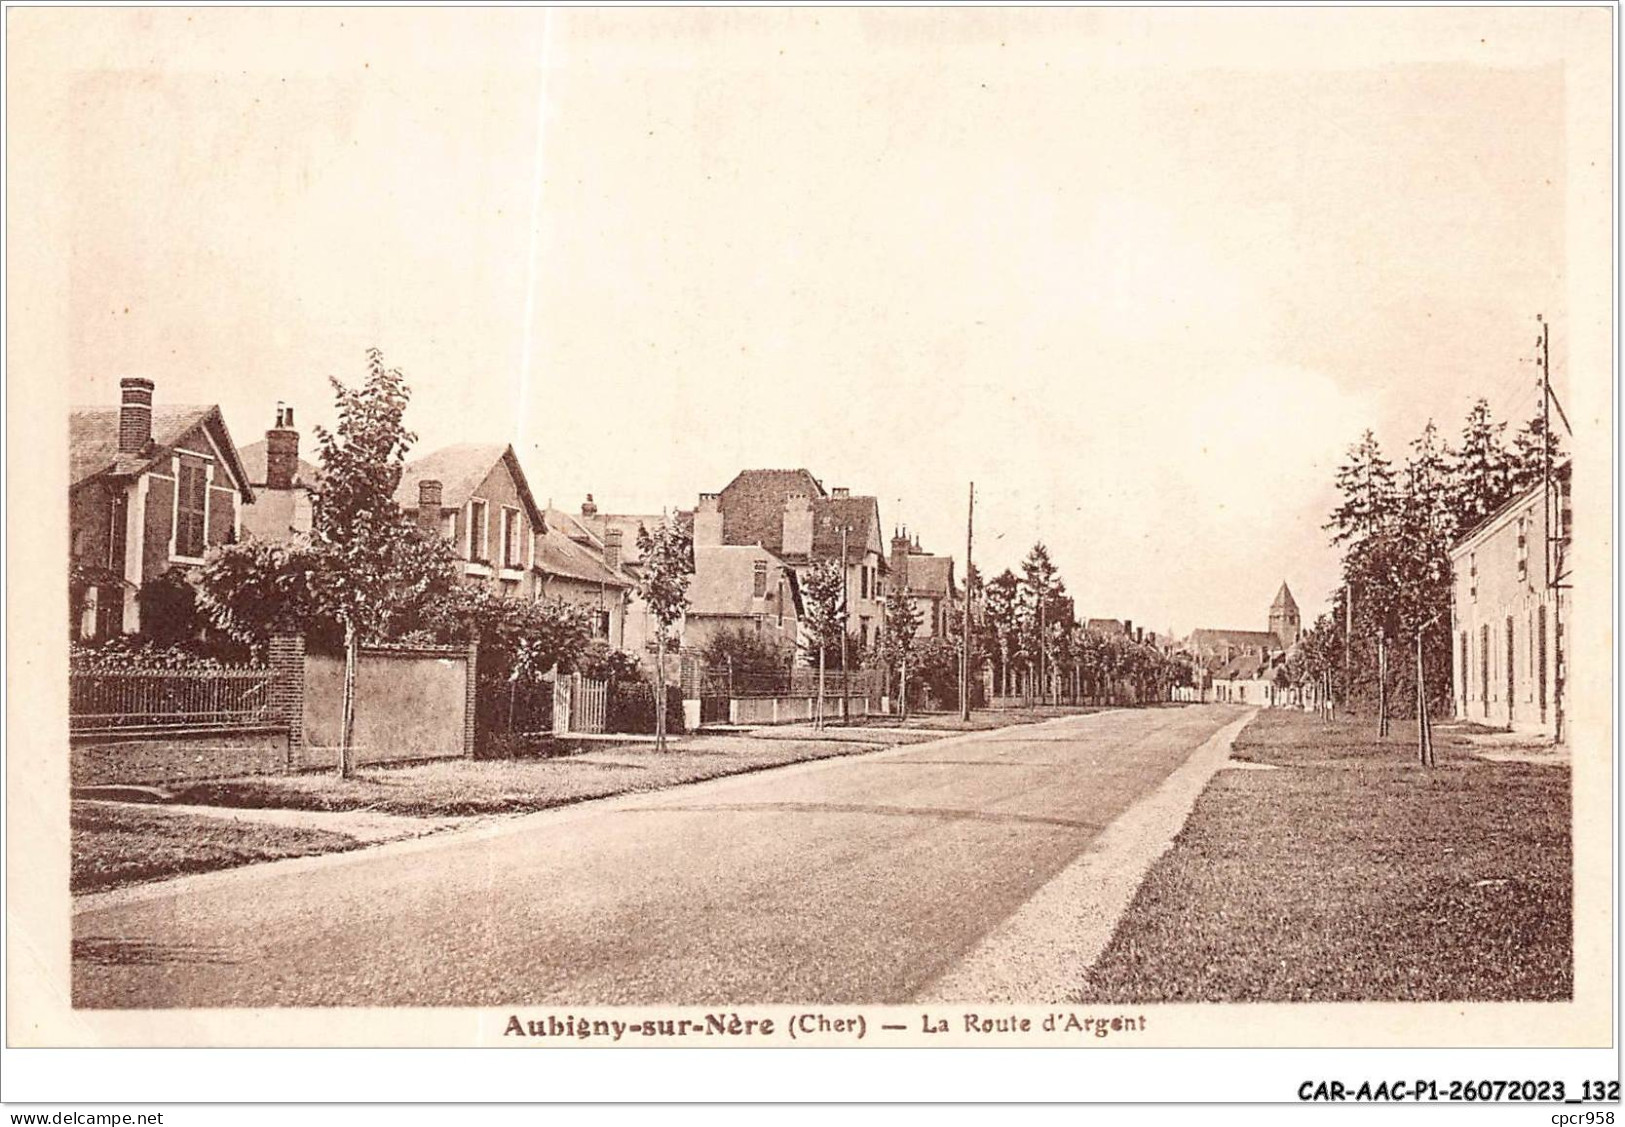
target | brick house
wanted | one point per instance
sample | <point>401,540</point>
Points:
<point>789,513</point>
<point>1508,614</point>
<point>477,496</point>
<point>150,488</point>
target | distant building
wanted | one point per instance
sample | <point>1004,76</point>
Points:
<point>927,580</point>
<point>1282,635</point>
<point>149,489</point>
<point>742,586</point>
<point>1509,610</point>
<point>789,513</point>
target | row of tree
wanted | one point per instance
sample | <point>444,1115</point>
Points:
<point>1395,525</point>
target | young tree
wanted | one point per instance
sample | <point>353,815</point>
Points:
<point>668,564</point>
<point>1042,583</point>
<point>898,640</point>
<point>822,590</point>
<point>1002,610</point>
<point>367,567</point>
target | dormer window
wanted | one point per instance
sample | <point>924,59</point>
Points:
<point>759,579</point>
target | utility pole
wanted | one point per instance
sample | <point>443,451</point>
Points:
<point>1546,440</point>
<point>965,616</point>
<point>846,614</point>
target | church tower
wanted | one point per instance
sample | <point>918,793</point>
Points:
<point>1284,617</point>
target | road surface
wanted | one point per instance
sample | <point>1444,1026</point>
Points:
<point>855,880</point>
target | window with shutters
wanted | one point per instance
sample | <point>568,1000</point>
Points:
<point>759,579</point>
<point>191,509</point>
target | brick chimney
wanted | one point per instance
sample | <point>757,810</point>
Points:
<point>429,494</point>
<point>708,521</point>
<point>798,525</point>
<point>281,451</point>
<point>134,415</point>
<point>612,549</point>
<point>589,507</point>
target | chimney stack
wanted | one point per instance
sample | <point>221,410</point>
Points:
<point>589,507</point>
<point>429,494</point>
<point>840,492</point>
<point>708,521</point>
<point>612,549</point>
<point>134,415</point>
<point>281,451</point>
<point>899,559</point>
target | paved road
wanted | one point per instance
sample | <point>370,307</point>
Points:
<point>855,880</point>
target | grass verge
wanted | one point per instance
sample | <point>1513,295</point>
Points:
<point>117,845</point>
<point>1349,873</point>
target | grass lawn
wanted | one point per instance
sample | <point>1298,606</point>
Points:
<point>461,786</point>
<point>115,845</point>
<point>1350,873</point>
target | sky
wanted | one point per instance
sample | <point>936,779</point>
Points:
<point>1141,275</point>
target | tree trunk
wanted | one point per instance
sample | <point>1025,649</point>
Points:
<point>1424,727</point>
<point>660,688</point>
<point>819,721</point>
<point>1382,684</point>
<point>903,691</point>
<point>352,657</point>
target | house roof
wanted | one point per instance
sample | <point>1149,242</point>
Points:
<point>932,576</point>
<point>253,456</point>
<point>1241,639</point>
<point>1243,667</point>
<point>860,515</point>
<point>1106,626</point>
<point>93,442</point>
<point>724,576</point>
<point>557,554</point>
<point>460,469</point>
<point>753,505</point>
<point>629,524</point>
<point>1482,530</point>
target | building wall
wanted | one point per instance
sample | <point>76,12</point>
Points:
<point>595,597</point>
<point>410,705</point>
<point>498,491</point>
<point>1500,603</point>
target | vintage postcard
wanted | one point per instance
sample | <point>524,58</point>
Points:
<point>812,527</point>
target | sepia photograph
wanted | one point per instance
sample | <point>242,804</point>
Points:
<point>806,527</point>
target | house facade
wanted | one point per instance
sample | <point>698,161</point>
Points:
<point>150,489</point>
<point>1508,611</point>
<point>792,515</point>
<point>478,498</point>
<point>745,586</point>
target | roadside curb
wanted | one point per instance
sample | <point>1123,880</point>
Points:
<point>1043,951</point>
